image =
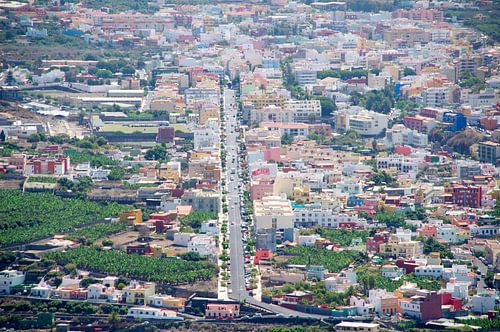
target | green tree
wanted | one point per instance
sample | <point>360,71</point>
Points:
<point>116,173</point>
<point>104,73</point>
<point>158,152</point>
<point>286,139</point>
<point>409,72</point>
<point>2,136</point>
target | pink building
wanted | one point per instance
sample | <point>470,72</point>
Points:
<point>261,188</point>
<point>427,230</point>
<point>272,154</point>
<point>222,311</point>
<point>58,165</point>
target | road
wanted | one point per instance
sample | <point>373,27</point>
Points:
<point>481,286</point>
<point>237,268</point>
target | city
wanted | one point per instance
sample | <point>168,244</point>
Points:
<point>267,165</point>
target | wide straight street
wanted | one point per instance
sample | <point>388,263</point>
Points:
<point>237,289</point>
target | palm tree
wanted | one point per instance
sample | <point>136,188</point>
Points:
<point>114,320</point>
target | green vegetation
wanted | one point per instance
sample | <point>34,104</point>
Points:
<point>370,278</point>
<point>474,83</point>
<point>432,245</point>
<point>194,219</point>
<point>26,217</point>
<point>485,323</point>
<point>42,179</point>
<point>163,270</point>
<point>383,178</point>
<point>486,19</point>
<point>94,232</point>
<point>95,159</point>
<point>342,74</point>
<point>117,173</point>
<point>334,261</point>
<point>350,138</point>
<point>286,139</point>
<point>80,186</point>
<point>321,296</point>
<point>340,236</point>
<point>158,152</point>
<point>380,101</point>
<point>328,106</point>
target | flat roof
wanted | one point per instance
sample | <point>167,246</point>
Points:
<point>357,324</point>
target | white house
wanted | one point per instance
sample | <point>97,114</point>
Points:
<point>458,289</point>
<point>434,271</point>
<point>447,233</point>
<point>209,227</point>
<point>483,302</point>
<point>152,313</point>
<point>392,271</point>
<point>41,291</point>
<point>308,240</point>
<point>182,239</point>
<point>9,279</point>
<point>203,244</point>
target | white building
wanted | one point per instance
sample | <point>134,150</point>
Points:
<point>305,75</point>
<point>209,227</point>
<point>436,96</point>
<point>307,240</point>
<point>447,233</point>
<point>434,271</point>
<point>182,239</point>
<point>402,164</point>
<point>9,279</point>
<point>41,291</point>
<point>400,135</point>
<point>152,313</point>
<point>458,289</point>
<point>273,212</point>
<point>304,110</point>
<point>367,123</point>
<point>484,302</point>
<point>202,244</point>
<point>316,216</point>
<point>207,136</point>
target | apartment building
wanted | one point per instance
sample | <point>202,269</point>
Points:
<point>261,100</point>
<point>467,195</point>
<point>436,96</point>
<point>9,279</point>
<point>273,212</point>
<point>201,200</point>
<point>489,152</point>
<point>57,165</point>
<point>400,163</point>
<point>406,249</point>
<point>263,136</point>
<point>313,215</point>
<point>400,135</point>
<point>365,123</point>
<point>424,306</point>
<point>138,293</point>
<point>304,110</point>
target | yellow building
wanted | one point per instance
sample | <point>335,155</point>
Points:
<point>139,293</point>
<point>397,248</point>
<point>261,100</point>
<point>171,171</point>
<point>131,217</point>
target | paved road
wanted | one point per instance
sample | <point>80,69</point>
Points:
<point>237,269</point>
<point>481,286</point>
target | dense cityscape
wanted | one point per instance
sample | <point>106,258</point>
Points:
<point>263,165</point>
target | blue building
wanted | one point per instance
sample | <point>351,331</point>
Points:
<point>457,121</point>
